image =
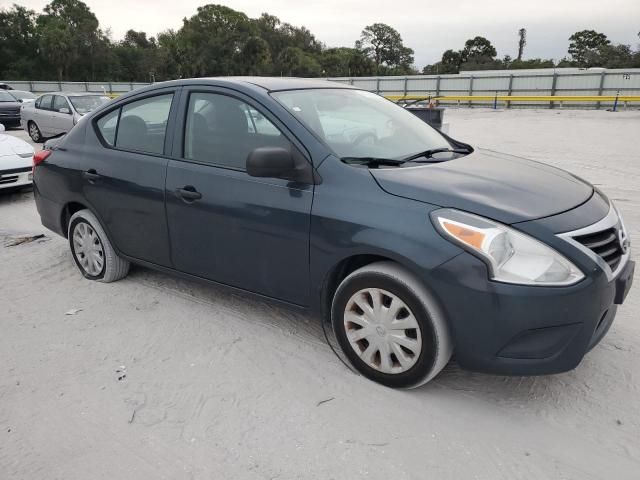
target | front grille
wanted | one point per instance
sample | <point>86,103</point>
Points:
<point>15,170</point>
<point>9,179</point>
<point>605,244</point>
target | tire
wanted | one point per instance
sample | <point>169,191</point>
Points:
<point>34,132</point>
<point>417,333</point>
<point>85,229</point>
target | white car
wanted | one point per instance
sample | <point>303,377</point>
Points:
<point>15,161</point>
<point>53,114</point>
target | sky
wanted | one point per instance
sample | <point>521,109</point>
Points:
<point>429,27</point>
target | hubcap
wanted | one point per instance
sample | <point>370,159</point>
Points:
<point>382,330</point>
<point>33,131</point>
<point>88,249</point>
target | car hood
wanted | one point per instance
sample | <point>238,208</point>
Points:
<point>503,187</point>
<point>10,106</point>
<point>14,153</point>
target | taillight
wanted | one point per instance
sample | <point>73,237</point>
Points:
<point>39,157</point>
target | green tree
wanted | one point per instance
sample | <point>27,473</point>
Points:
<point>293,61</point>
<point>585,45</point>
<point>531,63</point>
<point>212,41</point>
<point>18,43</point>
<point>383,44</point>
<point>451,61</point>
<point>345,62</point>
<point>170,55</point>
<point>256,56</point>
<point>70,38</point>
<point>477,49</point>
<point>138,57</point>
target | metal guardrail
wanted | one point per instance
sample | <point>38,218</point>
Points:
<point>615,100</point>
<point>524,87</point>
<point>107,88</point>
<point>516,88</point>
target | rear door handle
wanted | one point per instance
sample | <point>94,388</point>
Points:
<point>189,193</point>
<point>91,175</point>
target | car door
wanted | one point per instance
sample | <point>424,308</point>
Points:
<point>124,173</point>
<point>42,114</point>
<point>226,226</point>
<point>61,120</point>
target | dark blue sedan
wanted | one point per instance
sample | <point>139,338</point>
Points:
<point>411,244</point>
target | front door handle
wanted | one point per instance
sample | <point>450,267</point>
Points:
<point>91,175</point>
<point>188,193</point>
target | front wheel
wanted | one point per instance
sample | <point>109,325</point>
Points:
<point>390,327</point>
<point>93,253</point>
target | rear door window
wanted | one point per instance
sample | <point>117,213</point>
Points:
<point>143,124</point>
<point>107,127</point>
<point>45,102</point>
<point>139,126</point>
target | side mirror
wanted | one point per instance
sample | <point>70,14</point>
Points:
<point>1,128</point>
<point>274,162</point>
<point>64,110</point>
<point>20,100</point>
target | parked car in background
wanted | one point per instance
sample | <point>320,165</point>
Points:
<point>9,109</point>
<point>56,113</point>
<point>412,244</point>
<point>4,86</point>
<point>23,96</point>
<point>16,158</point>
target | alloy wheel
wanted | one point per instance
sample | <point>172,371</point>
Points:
<point>34,132</point>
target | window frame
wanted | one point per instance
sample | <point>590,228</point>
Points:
<point>171,120</point>
<point>181,125</point>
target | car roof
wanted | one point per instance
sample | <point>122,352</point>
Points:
<point>287,83</point>
<point>77,94</point>
<point>270,84</point>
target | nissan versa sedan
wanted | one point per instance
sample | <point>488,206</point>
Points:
<point>54,114</point>
<point>410,244</point>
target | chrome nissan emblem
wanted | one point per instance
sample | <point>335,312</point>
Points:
<point>624,241</point>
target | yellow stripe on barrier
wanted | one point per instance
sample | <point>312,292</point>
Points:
<point>518,98</point>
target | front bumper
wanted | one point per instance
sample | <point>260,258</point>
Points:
<point>15,178</point>
<point>10,119</point>
<point>524,330</point>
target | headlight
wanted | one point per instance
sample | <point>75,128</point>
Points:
<point>512,257</point>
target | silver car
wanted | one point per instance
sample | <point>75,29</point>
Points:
<point>56,113</point>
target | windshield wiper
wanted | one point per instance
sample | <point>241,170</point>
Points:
<point>427,154</point>
<point>372,161</point>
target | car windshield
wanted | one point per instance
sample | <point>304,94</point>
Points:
<point>87,103</point>
<point>20,95</point>
<point>356,123</point>
<point>6,97</point>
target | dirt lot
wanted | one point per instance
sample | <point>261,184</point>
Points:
<point>160,378</point>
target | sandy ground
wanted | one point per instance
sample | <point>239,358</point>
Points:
<point>160,378</point>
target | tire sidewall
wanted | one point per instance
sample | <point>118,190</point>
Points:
<point>72,225</point>
<point>428,354</point>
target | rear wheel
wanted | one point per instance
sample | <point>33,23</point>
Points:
<point>34,132</point>
<point>93,253</point>
<point>390,327</point>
